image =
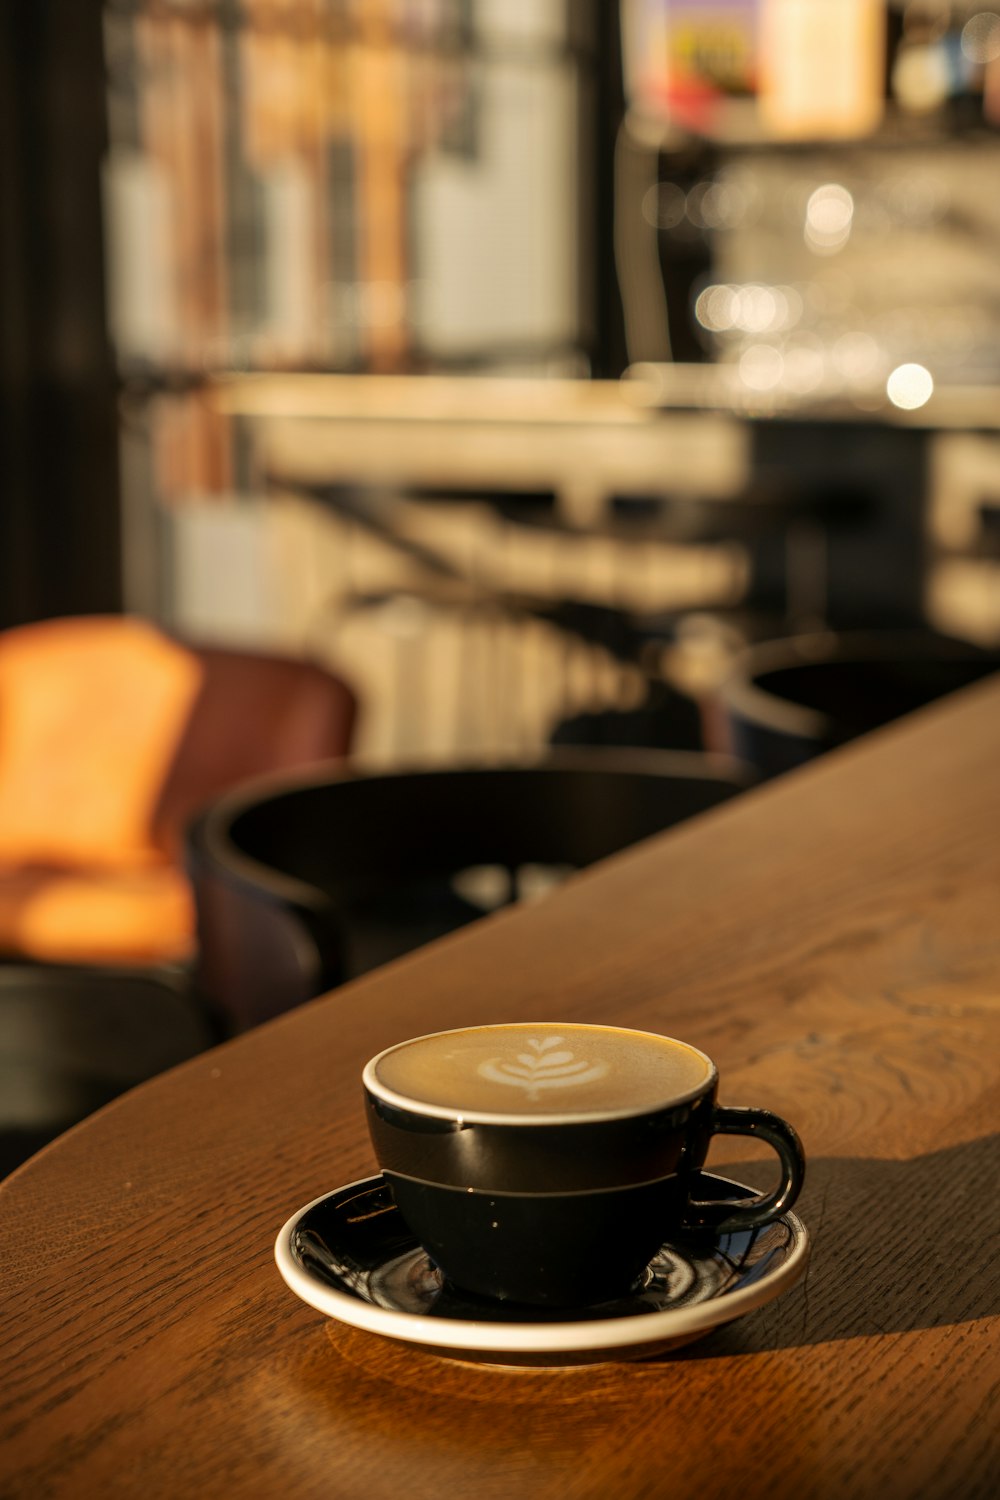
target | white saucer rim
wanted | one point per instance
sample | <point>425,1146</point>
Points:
<point>628,1331</point>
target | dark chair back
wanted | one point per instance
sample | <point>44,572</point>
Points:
<point>72,1039</point>
<point>786,701</point>
<point>303,883</point>
<point>255,713</point>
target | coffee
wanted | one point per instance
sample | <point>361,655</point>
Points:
<point>541,1070</point>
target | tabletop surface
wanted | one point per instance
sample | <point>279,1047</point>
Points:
<point>831,939</point>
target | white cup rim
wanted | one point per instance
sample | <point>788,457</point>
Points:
<point>406,1102</point>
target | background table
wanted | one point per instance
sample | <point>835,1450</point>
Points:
<point>832,939</point>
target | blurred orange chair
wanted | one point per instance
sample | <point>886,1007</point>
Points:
<point>112,735</point>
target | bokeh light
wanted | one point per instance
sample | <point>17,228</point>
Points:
<point>804,365</point>
<point>856,355</point>
<point>909,387</point>
<point>664,205</point>
<point>751,308</point>
<point>716,205</point>
<point>761,367</point>
<point>981,37</point>
<point>829,215</point>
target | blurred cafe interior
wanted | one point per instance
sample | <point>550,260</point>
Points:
<point>444,389</point>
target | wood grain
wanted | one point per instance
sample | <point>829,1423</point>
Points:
<point>832,939</point>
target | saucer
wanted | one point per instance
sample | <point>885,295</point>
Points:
<point>349,1254</point>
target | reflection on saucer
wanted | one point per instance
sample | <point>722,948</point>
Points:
<point>350,1255</point>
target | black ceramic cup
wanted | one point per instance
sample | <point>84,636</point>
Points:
<point>546,1164</point>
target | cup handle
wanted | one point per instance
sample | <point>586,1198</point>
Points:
<point>726,1217</point>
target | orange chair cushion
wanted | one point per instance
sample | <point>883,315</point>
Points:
<point>91,714</point>
<point>137,916</point>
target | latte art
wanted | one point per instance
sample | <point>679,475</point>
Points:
<point>544,1067</point>
<point>540,1070</point>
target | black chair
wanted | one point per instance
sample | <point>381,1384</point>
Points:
<point>786,701</point>
<point>666,719</point>
<point>304,882</point>
<point>72,1039</point>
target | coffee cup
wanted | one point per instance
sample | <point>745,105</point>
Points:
<point>547,1163</point>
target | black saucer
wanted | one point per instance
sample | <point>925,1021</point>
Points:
<point>350,1255</point>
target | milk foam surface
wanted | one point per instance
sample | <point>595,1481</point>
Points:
<point>543,1069</point>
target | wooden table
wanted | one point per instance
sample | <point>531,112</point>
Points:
<point>833,939</point>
